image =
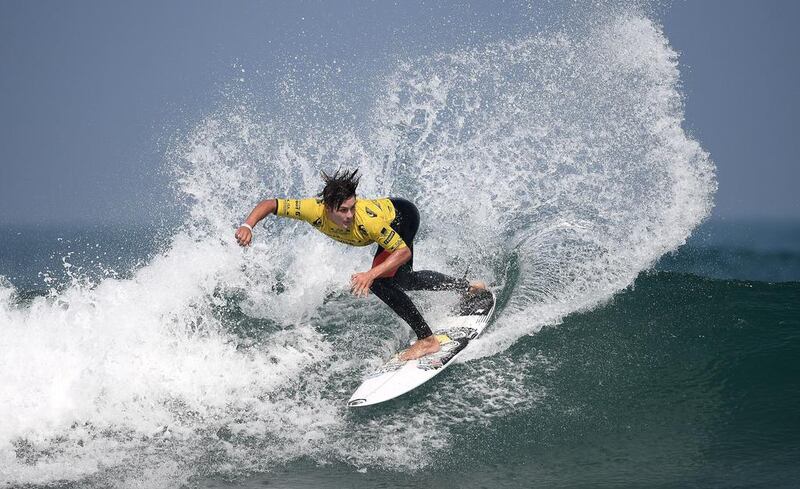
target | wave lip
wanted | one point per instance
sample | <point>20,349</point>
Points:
<point>570,150</point>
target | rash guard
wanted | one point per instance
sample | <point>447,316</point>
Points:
<point>371,221</point>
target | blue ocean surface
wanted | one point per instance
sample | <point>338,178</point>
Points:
<point>37,257</point>
<point>748,249</point>
<point>686,379</point>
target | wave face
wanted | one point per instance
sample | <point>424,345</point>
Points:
<point>554,166</point>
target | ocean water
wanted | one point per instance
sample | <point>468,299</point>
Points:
<point>686,378</point>
<point>638,341</point>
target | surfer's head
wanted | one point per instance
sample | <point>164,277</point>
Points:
<point>339,196</point>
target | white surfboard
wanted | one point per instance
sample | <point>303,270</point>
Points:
<point>395,377</point>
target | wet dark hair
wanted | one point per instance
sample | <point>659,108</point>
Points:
<point>339,187</point>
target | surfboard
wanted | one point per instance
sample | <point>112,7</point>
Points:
<point>394,378</point>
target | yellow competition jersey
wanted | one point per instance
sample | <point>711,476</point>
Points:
<point>371,222</point>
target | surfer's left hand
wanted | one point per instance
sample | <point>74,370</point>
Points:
<point>360,283</point>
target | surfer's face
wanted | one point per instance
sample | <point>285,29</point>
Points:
<point>343,216</point>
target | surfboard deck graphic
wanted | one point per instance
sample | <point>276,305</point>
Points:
<point>394,378</point>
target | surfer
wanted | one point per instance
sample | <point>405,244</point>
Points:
<point>392,223</point>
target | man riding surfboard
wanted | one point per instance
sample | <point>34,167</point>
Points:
<point>392,223</point>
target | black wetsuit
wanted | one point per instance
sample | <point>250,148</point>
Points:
<point>391,290</point>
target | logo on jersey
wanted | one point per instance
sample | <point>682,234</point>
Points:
<point>317,223</point>
<point>389,238</point>
<point>370,212</point>
<point>363,229</point>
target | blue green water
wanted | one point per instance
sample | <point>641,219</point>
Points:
<point>685,379</point>
<point>682,382</point>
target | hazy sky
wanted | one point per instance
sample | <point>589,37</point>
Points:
<point>741,76</point>
<point>91,91</point>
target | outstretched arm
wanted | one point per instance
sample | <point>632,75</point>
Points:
<point>264,208</point>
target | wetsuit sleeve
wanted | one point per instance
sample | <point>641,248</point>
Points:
<point>387,238</point>
<point>309,210</point>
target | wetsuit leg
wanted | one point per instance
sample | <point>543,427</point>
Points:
<point>391,290</point>
<point>387,290</point>
<point>430,280</point>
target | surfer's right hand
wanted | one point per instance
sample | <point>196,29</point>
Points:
<point>244,236</point>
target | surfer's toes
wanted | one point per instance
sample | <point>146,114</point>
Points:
<point>476,286</point>
<point>421,348</point>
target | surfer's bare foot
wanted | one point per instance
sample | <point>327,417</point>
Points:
<point>420,348</point>
<point>476,286</point>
